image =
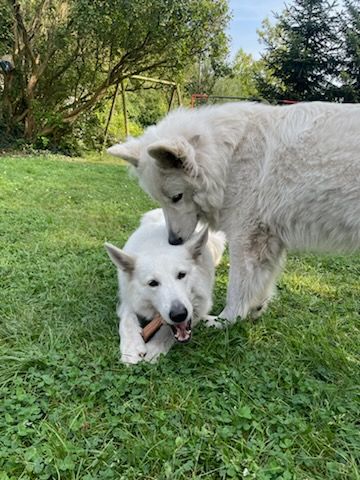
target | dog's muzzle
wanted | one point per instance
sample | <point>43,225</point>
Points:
<point>178,312</point>
<point>181,325</point>
<point>175,239</point>
<point>182,331</point>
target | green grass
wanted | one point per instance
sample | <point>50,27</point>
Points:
<point>276,399</point>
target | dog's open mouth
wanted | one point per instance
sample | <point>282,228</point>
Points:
<point>182,331</point>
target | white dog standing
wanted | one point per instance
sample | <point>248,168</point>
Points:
<point>155,277</point>
<point>272,178</point>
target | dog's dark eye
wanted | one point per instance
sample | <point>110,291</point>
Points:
<point>176,198</point>
<point>181,275</point>
<point>153,283</point>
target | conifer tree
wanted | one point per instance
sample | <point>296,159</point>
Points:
<point>302,50</point>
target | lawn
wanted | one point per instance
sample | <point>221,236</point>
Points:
<point>276,399</point>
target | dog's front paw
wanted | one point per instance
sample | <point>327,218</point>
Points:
<point>134,355</point>
<point>227,317</point>
<point>132,359</point>
<point>255,313</point>
<point>212,321</point>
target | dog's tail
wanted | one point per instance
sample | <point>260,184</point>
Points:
<point>216,244</point>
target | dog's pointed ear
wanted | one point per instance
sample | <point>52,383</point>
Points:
<point>195,141</point>
<point>167,154</point>
<point>197,242</point>
<point>129,151</point>
<point>120,259</point>
<point>175,153</point>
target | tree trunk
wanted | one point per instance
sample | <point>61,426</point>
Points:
<point>7,103</point>
<point>30,125</point>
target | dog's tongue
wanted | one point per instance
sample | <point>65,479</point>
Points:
<point>182,331</point>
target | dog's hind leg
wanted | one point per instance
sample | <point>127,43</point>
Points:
<point>260,304</point>
<point>254,265</point>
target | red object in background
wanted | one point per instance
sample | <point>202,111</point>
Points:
<point>202,96</point>
<point>288,102</point>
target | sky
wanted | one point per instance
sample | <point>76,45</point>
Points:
<point>247,17</point>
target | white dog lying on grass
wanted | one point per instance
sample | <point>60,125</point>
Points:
<point>157,278</point>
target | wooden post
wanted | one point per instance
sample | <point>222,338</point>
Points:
<point>172,95</point>
<point>154,80</point>
<point>110,116</point>
<point>163,82</point>
<point>179,95</point>
<point>175,90</point>
<point>123,96</point>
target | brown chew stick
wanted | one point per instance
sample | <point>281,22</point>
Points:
<point>152,327</point>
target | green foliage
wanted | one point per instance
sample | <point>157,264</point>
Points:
<point>146,107</point>
<point>203,74</point>
<point>276,399</point>
<point>311,53</point>
<point>68,54</point>
<point>242,80</point>
<point>351,62</point>
<point>117,125</point>
<point>302,50</point>
<point>6,34</point>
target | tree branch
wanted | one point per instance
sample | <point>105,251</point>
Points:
<point>99,93</point>
<point>22,30</point>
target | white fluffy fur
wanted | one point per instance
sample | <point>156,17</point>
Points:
<point>272,178</point>
<point>147,255</point>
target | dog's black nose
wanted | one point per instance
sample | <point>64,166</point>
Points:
<point>178,312</point>
<point>174,239</point>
